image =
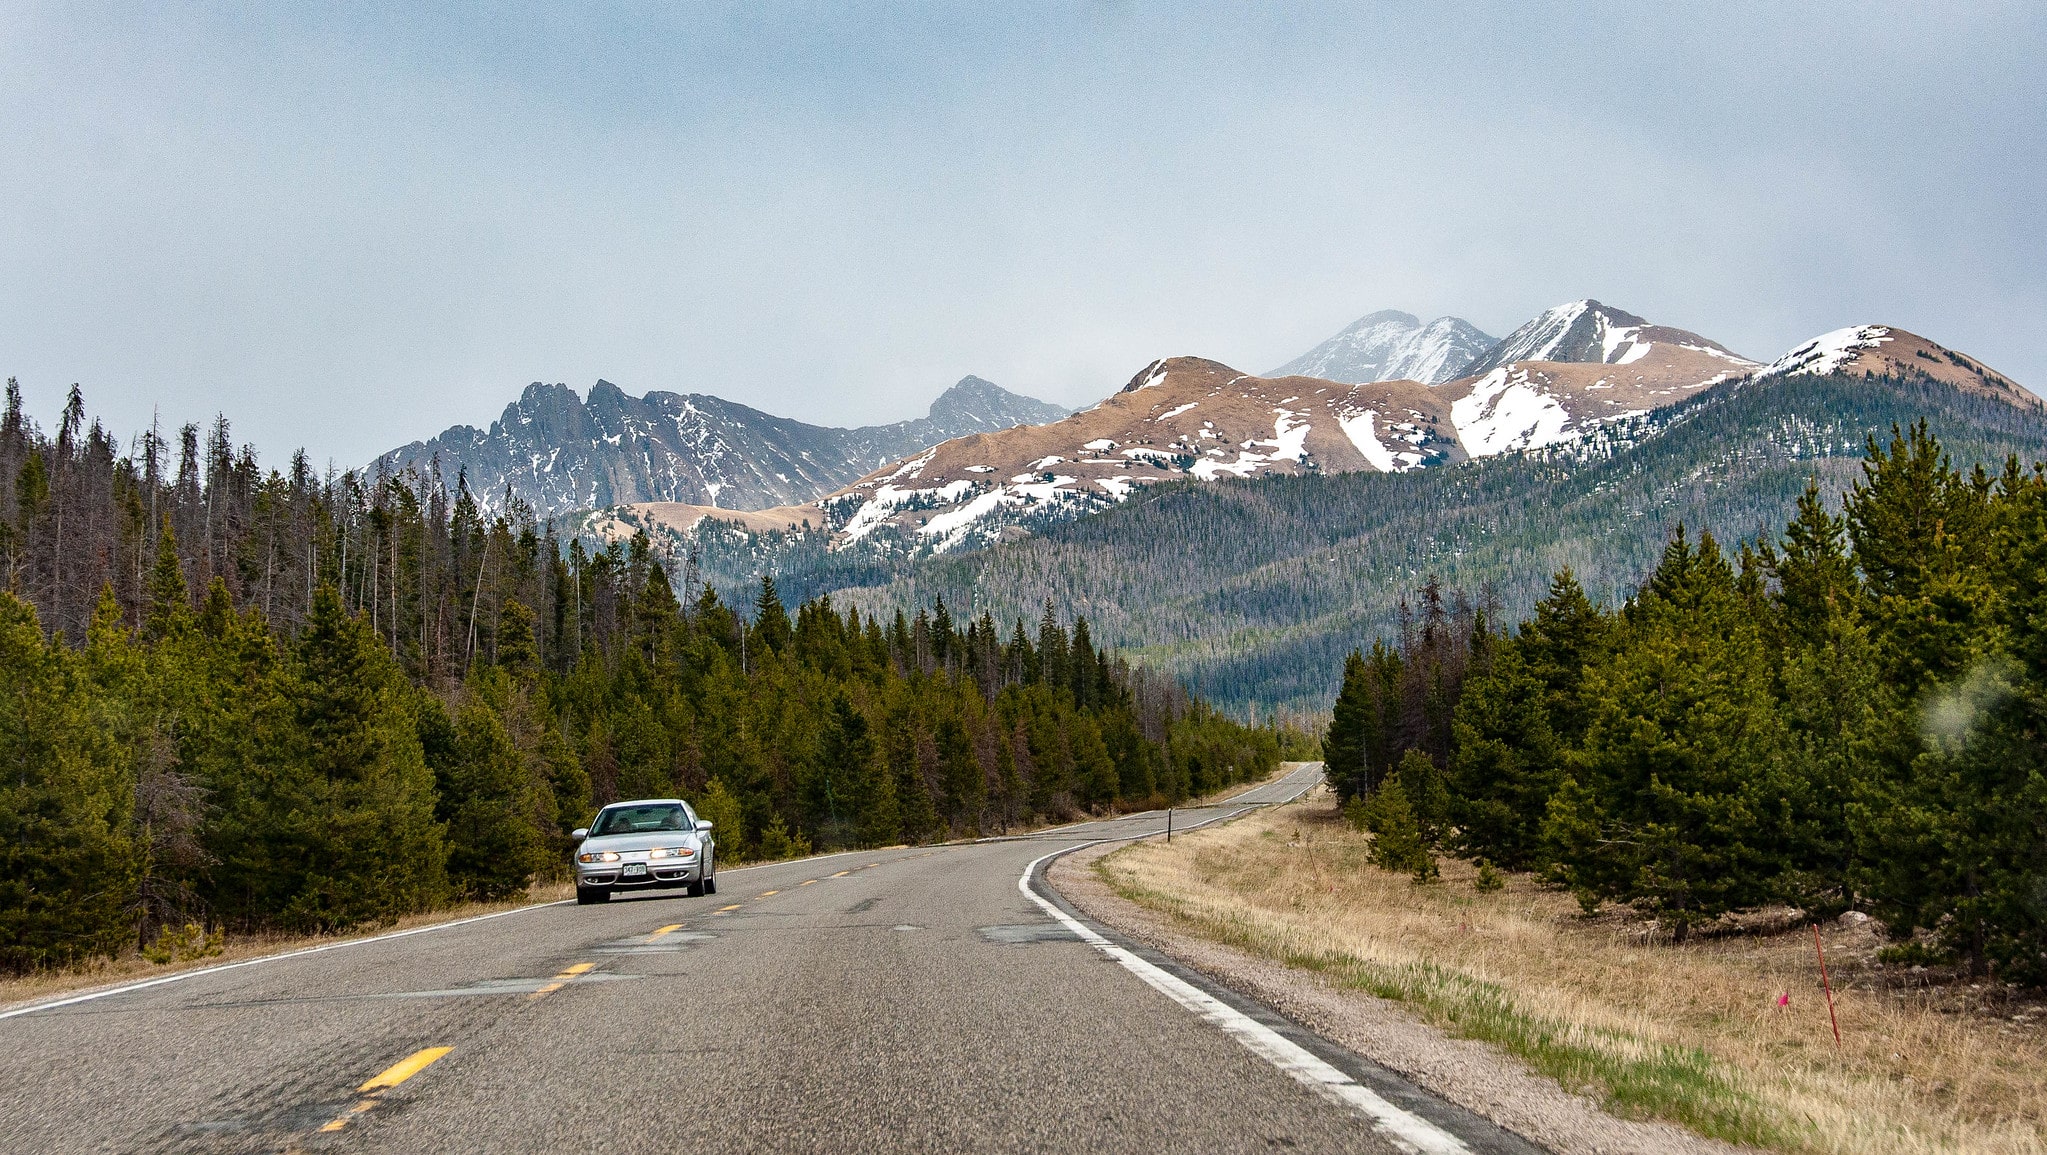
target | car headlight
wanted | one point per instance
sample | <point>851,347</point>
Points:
<point>598,856</point>
<point>672,852</point>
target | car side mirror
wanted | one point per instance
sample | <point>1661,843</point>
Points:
<point>580,832</point>
<point>703,826</point>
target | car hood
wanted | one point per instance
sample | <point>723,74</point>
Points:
<point>626,842</point>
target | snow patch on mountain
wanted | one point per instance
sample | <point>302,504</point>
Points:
<point>1507,411</point>
<point>1827,352</point>
<point>1359,430</point>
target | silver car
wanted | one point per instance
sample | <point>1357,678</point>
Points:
<point>653,842</point>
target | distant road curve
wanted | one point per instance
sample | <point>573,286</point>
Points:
<point>924,999</point>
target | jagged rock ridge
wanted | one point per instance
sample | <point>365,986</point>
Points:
<point>559,452</point>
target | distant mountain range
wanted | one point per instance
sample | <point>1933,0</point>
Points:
<point>1253,592</point>
<point>1579,438</point>
<point>1556,380</point>
<point>559,453</point>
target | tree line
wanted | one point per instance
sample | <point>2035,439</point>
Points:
<point>282,701</point>
<point>1848,714</point>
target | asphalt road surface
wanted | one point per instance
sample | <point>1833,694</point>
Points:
<point>928,999</point>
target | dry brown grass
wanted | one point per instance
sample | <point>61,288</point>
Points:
<point>1691,1034</point>
<point>132,967</point>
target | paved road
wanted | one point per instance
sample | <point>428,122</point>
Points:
<point>915,1000</point>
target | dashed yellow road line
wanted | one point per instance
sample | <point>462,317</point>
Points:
<point>842,874</point>
<point>666,930</point>
<point>561,980</point>
<point>726,909</point>
<point>769,893</point>
<point>405,1068</point>
<point>391,1076</point>
<point>806,882</point>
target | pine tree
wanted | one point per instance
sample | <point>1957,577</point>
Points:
<point>68,865</point>
<point>844,769</point>
<point>169,604</point>
<point>1397,841</point>
<point>1427,797</point>
<point>358,842</point>
<point>1683,757</point>
<point>493,848</point>
<point>771,620</point>
<point>1344,746</point>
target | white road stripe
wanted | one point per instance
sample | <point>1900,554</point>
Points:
<point>126,988</point>
<point>1403,1129</point>
<point>181,976</point>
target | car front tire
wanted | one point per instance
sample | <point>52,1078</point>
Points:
<point>711,883</point>
<point>589,895</point>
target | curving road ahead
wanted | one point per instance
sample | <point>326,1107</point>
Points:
<point>929,999</point>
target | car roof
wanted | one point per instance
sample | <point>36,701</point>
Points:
<point>647,802</point>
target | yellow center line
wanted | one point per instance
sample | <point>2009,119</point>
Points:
<point>769,893</point>
<point>561,980</point>
<point>406,1068</point>
<point>726,909</point>
<point>393,1075</point>
<point>842,874</point>
<point>806,882</point>
<point>666,930</point>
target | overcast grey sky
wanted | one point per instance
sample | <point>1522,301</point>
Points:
<point>348,230</point>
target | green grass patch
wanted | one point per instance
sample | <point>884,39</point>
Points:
<point>1630,1076</point>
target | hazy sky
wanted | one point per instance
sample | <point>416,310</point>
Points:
<point>349,230</point>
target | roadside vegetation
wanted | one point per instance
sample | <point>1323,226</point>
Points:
<point>1605,841</point>
<point>1850,717</point>
<point>280,704</point>
<point>1608,1005</point>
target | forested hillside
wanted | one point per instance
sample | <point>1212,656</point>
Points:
<point>1253,591</point>
<point>1848,715</point>
<point>267,700</point>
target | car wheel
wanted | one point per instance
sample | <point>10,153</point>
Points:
<point>587,895</point>
<point>711,883</point>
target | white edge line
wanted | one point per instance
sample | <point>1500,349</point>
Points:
<point>1403,1129</point>
<point>125,988</point>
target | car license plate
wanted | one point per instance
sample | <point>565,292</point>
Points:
<point>635,868</point>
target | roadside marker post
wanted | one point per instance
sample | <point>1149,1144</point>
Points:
<point>1827,983</point>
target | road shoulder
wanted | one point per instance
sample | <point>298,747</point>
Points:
<point>1470,1074</point>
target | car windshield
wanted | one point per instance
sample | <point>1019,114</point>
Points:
<point>641,820</point>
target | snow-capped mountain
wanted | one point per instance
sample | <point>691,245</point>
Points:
<point>1190,418</point>
<point>1888,351</point>
<point>1587,332</point>
<point>1392,346</point>
<point>559,452</point>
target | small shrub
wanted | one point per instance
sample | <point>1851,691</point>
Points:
<point>1913,954</point>
<point>1355,813</point>
<point>1397,842</point>
<point>776,842</point>
<point>183,944</point>
<point>1488,877</point>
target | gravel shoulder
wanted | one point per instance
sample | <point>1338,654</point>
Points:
<point>1470,1074</point>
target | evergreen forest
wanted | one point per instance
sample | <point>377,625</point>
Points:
<point>283,701</point>
<point>1850,713</point>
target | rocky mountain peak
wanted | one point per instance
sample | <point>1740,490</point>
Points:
<point>1390,345</point>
